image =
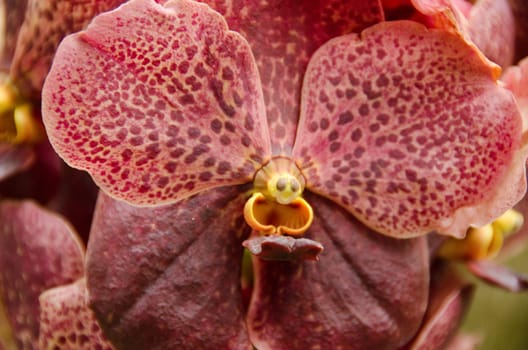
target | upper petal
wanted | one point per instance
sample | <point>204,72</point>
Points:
<point>169,277</point>
<point>408,129</point>
<point>38,250</point>
<point>45,24</point>
<point>157,103</point>
<point>283,35</point>
<point>367,291</point>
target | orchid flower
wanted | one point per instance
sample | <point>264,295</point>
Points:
<point>296,127</point>
<point>138,120</point>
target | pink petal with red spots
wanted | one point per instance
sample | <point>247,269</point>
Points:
<point>283,35</point>
<point>492,28</point>
<point>45,24</point>
<point>499,276</point>
<point>515,78</point>
<point>67,322</point>
<point>367,291</point>
<point>157,103</point>
<point>11,14</point>
<point>408,129</point>
<point>38,250</point>
<point>169,277</point>
<point>449,300</point>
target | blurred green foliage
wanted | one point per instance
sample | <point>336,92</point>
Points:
<point>500,318</point>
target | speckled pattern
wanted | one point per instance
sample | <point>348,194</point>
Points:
<point>66,321</point>
<point>45,24</point>
<point>170,280</point>
<point>404,126</point>
<point>157,103</point>
<point>367,291</point>
<point>37,251</point>
<point>283,35</point>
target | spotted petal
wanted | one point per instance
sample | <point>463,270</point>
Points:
<point>38,250</point>
<point>408,129</point>
<point>66,322</point>
<point>367,291</point>
<point>45,24</point>
<point>157,103</point>
<point>169,277</point>
<point>283,35</point>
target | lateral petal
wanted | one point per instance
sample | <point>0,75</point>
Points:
<point>408,129</point>
<point>169,277</point>
<point>157,102</point>
<point>367,291</point>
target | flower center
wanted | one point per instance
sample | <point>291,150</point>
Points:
<point>276,206</point>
